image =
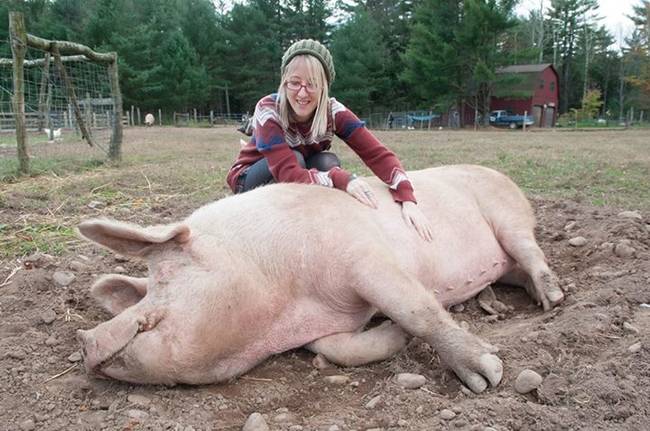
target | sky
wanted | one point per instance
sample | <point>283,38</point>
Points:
<point>613,12</point>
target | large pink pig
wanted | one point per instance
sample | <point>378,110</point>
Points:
<point>291,265</point>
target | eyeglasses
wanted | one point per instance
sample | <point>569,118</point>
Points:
<point>295,85</point>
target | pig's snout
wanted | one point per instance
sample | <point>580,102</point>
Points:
<point>88,350</point>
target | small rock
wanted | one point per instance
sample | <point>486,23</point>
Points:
<point>27,425</point>
<point>410,381</point>
<point>255,422</point>
<point>630,328</point>
<point>17,354</point>
<point>137,414</point>
<point>334,428</point>
<point>460,423</point>
<point>527,380</point>
<point>119,269</point>
<point>606,246</point>
<point>354,384</point>
<point>78,266</point>
<point>48,316</point>
<point>63,278</point>
<point>635,348</point>
<point>337,380</point>
<point>51,341</point>
<point>578,241</point>
<point>138,400</point>
<point>96,204</point>
<point>402,423</point>
<point>320,362</point>
<point>463,324</point>
<point>570,225</point>
<point>75,357</point>
<point>623,250</point>
<point>447,414</point>
<point>419,410</point>
<point>458,308</point>
<point>373,402</point>
<point>282,418</point>
<point>630,214</point>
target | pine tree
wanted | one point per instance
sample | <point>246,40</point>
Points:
<point>360,58</point>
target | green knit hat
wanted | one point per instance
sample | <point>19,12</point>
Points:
<point>311,47</point>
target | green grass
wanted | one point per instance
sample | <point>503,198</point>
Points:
<point>38,166</point>
<point>43,237</point>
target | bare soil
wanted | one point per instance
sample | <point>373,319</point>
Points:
<point>595,374</point>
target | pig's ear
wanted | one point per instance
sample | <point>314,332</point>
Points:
<point>116,292</point>
<point>131,240</point>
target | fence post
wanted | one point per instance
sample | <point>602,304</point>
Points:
<point>195,117</point>
<point>132,116</point>
<point>42,96</point>
<point>174,119</point>
<point>139,122</point>
<point>523,125</point>
<point>18,35</point>
<point>159,116</point>
<point>211,118</point>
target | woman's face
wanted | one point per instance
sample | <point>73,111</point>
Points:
<point>303,95</point>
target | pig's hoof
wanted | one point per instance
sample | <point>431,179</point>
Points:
<point>489,369</point>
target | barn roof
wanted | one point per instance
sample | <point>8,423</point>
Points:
<point>524,68</point>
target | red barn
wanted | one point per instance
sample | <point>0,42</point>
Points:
<point>531,88</point>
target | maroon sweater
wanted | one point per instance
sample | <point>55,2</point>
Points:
<point>271,141</point>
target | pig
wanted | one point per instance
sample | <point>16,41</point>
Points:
<point>290,265</point>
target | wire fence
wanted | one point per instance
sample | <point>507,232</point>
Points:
<point>48,107</point>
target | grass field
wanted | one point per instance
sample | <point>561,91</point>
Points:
<point>179,169</point>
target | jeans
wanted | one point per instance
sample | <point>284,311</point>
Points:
<point>258,174</point>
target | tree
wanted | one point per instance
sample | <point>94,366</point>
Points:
<point>394,19</point>
<point>360,59</point>
<point>252,50</point>
<point>434,67</point>
<point>568,18</point>
<point>455,49</point>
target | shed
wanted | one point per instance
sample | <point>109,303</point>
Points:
<point>530,88</point>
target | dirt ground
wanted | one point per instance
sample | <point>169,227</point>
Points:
<point>592,351</point>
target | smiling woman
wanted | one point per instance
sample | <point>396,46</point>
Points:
<point>293,131</point>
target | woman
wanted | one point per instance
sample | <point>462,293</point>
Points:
<point>293,129</point>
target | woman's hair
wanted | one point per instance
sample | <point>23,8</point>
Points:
<point>316,76</point>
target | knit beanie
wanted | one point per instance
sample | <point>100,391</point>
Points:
<point>310,47</point>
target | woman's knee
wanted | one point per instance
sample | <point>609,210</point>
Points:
<point>323,161</point>
<point>300,158</point>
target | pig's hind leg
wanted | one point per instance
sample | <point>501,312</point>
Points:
<point>532,271</point>
<point>414,308</point>
<point>351,349</point>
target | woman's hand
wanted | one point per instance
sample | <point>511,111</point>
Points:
<point>361,191</point>
<point>414,217</point>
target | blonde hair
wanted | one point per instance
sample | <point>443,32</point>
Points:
<point>318,77</point>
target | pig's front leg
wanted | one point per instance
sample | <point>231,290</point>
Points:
<point>408,303</point>
<point>351,349</point>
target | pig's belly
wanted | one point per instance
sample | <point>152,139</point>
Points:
<point>464,267</point>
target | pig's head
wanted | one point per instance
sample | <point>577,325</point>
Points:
<point>154,320</point>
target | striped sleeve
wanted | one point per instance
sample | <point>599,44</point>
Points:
<point>381,161</point>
